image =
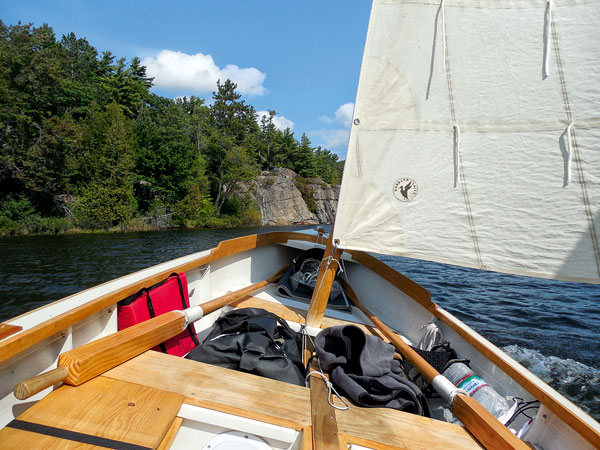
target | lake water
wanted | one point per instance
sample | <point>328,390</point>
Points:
<point>551,327</point>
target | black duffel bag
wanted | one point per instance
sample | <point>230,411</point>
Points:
<point>255,341</point>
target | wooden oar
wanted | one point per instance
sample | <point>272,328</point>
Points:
<point>478,420</point>
<point>90,360</point>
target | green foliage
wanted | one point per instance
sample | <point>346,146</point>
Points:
<point>168,158</point>
<point>304,162</point>
<point>17,208</point>
<point>82,138</point>
<point>194,211</point>
<point>17,216</point>
<point>250,215</point>
<point>101,206</point>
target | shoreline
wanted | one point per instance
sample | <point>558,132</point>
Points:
<point>134,228</point>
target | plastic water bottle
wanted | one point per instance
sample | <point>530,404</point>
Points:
<point>464,378</point>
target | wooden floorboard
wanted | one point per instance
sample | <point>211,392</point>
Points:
<point>104,408</point>
<point>11,439</point>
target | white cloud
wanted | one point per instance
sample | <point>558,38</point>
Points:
<point>343,116</point>
<point>199,73</point>
<point>280,122</point>
<point>333,139</point>
<point>336,139</point>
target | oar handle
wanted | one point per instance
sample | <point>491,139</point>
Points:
<point>27,388</point>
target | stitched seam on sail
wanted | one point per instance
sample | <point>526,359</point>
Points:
<point>460,165</point>
<point>358,161</point>
<point>505,127</point>
<point>575,150</point>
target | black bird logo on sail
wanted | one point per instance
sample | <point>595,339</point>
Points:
<point>405,189</point>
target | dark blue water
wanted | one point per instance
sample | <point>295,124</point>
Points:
<point>551,327</point>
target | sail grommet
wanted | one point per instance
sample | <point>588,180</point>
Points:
<point>356,121</point>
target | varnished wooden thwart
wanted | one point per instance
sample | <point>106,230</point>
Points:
<point>220,389</point>
<point>284,404</point>
<point>105,408</point>
<point>8,330</point>
<point>384,428</point>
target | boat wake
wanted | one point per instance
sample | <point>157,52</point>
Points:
<point>576,381</point>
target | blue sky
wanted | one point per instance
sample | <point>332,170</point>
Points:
<point>300,58</point>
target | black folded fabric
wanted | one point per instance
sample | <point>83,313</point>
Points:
<point>256,341</point>
<point>363,368</point>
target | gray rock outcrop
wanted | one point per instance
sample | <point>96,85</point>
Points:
<point>281,202</point>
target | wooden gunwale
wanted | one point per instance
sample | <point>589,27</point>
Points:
<point>29,337</point>
<point>540,390</point>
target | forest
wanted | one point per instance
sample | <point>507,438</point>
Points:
<point>85,145</point>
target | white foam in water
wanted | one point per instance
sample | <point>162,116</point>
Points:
<point>578,382</point>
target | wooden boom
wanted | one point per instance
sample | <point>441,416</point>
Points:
<point>90,360</point>
<point>479,421</point>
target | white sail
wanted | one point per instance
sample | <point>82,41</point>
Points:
<point>476,136</point>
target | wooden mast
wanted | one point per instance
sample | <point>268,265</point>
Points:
<point>327,271</point>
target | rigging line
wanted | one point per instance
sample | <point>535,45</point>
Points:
<point>442,8</point>
<point>575,151</point>
<point>330,390</point>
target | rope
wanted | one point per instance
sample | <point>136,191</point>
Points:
<point>442,8</point>
<point>547,32</point>
<point>330,389</point>
<point>569,137</point>
<point>456,130</point>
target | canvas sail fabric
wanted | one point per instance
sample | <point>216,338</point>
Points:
<point>476,136</point>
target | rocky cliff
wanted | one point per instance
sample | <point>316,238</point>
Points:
<point>284,198</point>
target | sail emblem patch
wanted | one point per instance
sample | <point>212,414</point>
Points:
<point>405,189</point>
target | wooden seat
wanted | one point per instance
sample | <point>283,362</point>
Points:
<point>285,404</point>
<point>103,410</point>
